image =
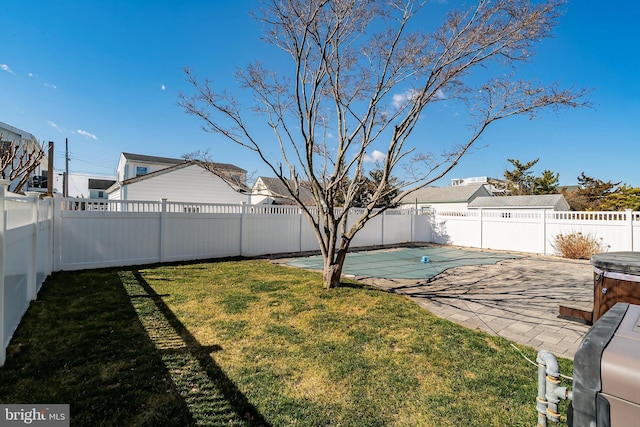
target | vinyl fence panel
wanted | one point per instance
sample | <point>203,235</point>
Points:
<point>26,257</point>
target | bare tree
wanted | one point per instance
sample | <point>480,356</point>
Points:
<point>17,161</point>
<point>359,79</point>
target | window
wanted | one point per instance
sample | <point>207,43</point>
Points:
<point>141,170</point>
<point>101,194</point>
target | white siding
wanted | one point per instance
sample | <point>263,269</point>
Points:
<point>189,184</point>
<point>127,168</point>
<point>115,195</point>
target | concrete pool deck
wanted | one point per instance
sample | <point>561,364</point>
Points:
<point>517,299</point>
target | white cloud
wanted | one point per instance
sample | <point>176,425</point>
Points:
<point>32,75</point>
<point>51,85</point>
<point>53,125</point>
<point>5,67</point>
<point>87,134</point>
<point>162,87</point>
<point>375,156</point>
<point>400,99</point>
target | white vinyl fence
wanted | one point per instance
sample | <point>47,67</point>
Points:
<point>533,231</point>
<point>41,236</point>
<point>26,256</point>
<point>107,234</point>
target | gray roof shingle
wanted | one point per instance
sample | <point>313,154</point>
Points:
<point>100,184</point>
<point>172,161</point>
<point>454,194</point>
<point>550,201</point>
<point>275,187</point>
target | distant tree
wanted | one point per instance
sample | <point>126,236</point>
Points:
<point>365,187</point>
<point>591,194</point>
<point>624,197</point>
<point>361,77</point>
<point>547,183</point>
<point>389,193</point>
<point>370,185</point>
<point>18,161</point>
<point>521,179</point>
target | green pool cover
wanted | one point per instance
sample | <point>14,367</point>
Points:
<point>406,263</point>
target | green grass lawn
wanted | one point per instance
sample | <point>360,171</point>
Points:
<point>252,343</point>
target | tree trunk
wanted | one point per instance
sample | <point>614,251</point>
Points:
<point>333,269</point>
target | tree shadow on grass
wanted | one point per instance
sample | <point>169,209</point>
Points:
<point>212,398</point>
<point>104,342</point>
<point>81,343</point>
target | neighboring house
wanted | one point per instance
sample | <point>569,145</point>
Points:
<point>555,202</point>
<point>27,143</point>
<point>141,177</point>
<point>79,184</point>
<point>98,188</point>
<point>455,197</point>
<point>497,187</point>
<point>271,191</point>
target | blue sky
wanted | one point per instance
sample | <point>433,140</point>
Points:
<point>106,75</point>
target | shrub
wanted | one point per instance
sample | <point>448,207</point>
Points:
<point>577,245</point>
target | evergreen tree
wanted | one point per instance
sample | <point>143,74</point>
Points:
<point>520,181</point>
<point>547,183</point>
<point>592,194</point>
<point>625,197</point>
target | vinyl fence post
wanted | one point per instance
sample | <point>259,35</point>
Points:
<point>56,230</point>
<point>51,249</point>
<point>382,228</point>
<point>300,218</point>
<point>412,238</point>
<point>480,226</point>
<point>163,230</point>
<point>32,265</point>
<point>629,221</point>
<point>3,228</point>
<point>544,231</point>
<point>243,210</point>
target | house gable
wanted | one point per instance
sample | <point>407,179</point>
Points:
<point>131,165</point>
<point>185,182</point>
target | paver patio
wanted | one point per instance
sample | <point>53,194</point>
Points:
<point>517,299</point>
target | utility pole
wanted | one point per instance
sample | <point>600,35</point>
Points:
<point>66,167</point>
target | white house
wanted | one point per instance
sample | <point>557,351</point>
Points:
<point>554,202</point>
<point>141,177</point>
<point>98,188</point>
<point>496,187</point>
<point>272,191</point>
<point>27,144</point>
<point>454,197</point>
